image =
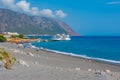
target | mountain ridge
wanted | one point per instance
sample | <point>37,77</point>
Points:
<point>22,23</point>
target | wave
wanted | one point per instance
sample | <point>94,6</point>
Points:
<point>80,56</point>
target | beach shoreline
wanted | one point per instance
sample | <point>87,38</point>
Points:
<point>101,60</point>
<point>51,64</point>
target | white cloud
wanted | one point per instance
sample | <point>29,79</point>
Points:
<point>60,13</point>
<point>8,4</point>
<point>25,6</point>
<point>34,11</point>
<point>47,12</point>
<point>110,3</point>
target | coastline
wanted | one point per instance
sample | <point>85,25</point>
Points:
<point>107,61</point>
<point>49,65</point>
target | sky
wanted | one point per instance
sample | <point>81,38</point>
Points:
<point>86,17</point>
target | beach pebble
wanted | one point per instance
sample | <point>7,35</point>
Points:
<point>98,72</point>
<point>107,71</point>
<point>30,54</point>
<point>37,49</point>
<point>89,70</point>
<point>16,51</point>
<point>23,63</point>
<point>58,68</point>
<point>77,69</point>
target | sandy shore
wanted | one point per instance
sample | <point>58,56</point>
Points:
<point>44,65</point>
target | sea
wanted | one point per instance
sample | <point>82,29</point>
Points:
<point>103,48</point>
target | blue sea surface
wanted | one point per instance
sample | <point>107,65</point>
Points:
<point>104,47</point>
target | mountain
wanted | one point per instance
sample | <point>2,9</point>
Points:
<point>17,22</point>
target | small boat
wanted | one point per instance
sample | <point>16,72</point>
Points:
<point>59,37</point>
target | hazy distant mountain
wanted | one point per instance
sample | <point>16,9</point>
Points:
<point>22,23</point>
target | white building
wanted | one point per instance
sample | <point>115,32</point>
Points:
<point>9,34</point>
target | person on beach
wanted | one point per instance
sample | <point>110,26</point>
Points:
<point>24,46</point>
<point>20,44</point>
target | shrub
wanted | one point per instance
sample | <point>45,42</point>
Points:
<point>7,58</point>
<point>2,39</point>
<point>17,36</point>
<point>21,36</point>
<point>13,36</point>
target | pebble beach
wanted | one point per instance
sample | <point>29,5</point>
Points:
<point>34,64</point>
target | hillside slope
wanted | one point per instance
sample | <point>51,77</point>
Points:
<point>22,23</point>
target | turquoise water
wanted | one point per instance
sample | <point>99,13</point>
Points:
<point>95,47</point>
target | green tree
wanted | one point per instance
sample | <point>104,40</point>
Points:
<point>21,36</point>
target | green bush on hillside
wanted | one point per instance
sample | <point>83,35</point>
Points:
<point>17,36</point>
<point>21,36</point>
<point>13,36</point>
<point>2,39</point>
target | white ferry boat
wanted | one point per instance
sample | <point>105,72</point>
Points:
<point>59,37</point>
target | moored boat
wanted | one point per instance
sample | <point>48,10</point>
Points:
<point>59,37</point>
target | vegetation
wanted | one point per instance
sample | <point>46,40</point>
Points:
<point>2,38</point>
<point>21,36</point>
<point>13,36</point>
<point>17,36</point>
<point>7,59</point>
